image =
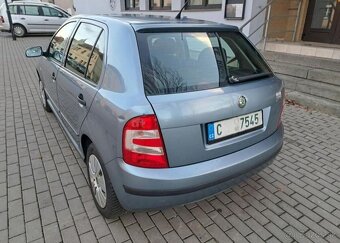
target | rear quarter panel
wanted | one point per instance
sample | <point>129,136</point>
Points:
<point>121,95</point>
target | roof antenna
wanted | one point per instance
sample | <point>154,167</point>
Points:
<point>178,16</point>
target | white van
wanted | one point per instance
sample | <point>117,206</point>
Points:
<point>32,17</point>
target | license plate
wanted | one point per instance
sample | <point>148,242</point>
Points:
<point>234,126</point>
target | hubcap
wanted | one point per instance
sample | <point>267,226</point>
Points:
<point>97,180</point>
<point>18,31</point>
<point>42,93</point>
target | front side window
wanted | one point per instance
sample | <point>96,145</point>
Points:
<point>32,10</point>
<point>185,62</point>
<point>160,4</point>
<point>81,48</point>
<point>131,4</point>
<point>205,4</point>
<point>59,42</point>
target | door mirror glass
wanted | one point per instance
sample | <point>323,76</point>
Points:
<point>34,52</point>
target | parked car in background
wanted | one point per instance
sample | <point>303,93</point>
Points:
<point>163,111</point>
<point>32,17</point>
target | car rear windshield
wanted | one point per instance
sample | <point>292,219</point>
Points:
<point>177,62</point>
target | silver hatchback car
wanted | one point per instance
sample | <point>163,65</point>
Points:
<point>163,111</point>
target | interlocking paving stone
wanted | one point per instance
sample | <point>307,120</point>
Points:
<point>44,196</point>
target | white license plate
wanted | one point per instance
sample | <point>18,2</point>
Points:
<point>234,126</point>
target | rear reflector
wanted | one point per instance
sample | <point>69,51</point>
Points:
<point>282,106</point>
<point>143,144</point>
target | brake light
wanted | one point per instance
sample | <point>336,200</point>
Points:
<point>143,143</point>
<point>2,20</point>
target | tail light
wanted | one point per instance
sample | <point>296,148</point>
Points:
<point>143,143</point>
<point>2,20</point>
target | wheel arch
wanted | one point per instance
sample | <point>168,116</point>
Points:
<point>85,142</point>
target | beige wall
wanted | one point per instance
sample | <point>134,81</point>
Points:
<point>284,14</point>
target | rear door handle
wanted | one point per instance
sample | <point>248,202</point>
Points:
<point>22,18</point>
<point>81,100</point>
<point>45,19</point>
<point>53,76</point>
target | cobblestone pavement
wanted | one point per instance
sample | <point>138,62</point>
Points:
<point>44,196</point>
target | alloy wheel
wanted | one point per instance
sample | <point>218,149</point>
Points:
<point>97,180</point>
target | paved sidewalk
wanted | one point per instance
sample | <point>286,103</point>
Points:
<point>44,196</point>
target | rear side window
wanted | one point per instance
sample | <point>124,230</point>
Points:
<point>59,42</point>
<point>81,49</point>
<point>184,62</point>
<point>13,9</point>
<point>95,65</point>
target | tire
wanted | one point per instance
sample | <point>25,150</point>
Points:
<point>19,30</point>
<point>99,179</point>
<point>43,97</point>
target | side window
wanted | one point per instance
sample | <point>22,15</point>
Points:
<point>55,13</point>
<point>13,9</point>
<point>95,67</point>
<point>21,10</point>
<point>232,61</point>
<point>46,11</point>
<point>32,10</point>
<point>81,48</point>
<point>59,42</point>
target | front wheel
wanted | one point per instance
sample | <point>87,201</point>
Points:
<point>101,188</point>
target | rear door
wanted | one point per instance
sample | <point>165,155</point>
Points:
<point>78,81</point>
<point>209,101</point>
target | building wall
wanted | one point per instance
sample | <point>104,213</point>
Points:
<point>284,16</point>
<point>216,15</point>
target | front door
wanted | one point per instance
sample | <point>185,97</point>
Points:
<point>54,60</point>
<point>323,22</point>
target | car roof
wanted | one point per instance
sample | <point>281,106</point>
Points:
<point>149,23</point>
<point>33,3</point>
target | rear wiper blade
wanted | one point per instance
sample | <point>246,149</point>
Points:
<point>234,79</point>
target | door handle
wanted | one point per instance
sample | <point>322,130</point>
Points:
<point>53,76</point>
<point>45,19</point>
<point>22,18</point>
<point>81,100</point>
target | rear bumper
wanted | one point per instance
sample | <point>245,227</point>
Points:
<point>142,189</point>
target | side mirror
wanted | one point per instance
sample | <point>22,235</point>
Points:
<point>34,52</point>
<point>60,15</point>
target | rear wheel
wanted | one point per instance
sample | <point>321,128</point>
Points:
<point>101,188</point>
<point>19,30</point>
<point>43,97</point>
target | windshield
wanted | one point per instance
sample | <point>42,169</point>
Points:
<point>184,62</point>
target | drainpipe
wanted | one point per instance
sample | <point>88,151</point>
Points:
<point>297,20</point>
<point>10,21</point>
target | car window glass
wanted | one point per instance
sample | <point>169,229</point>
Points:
<point>55,13</point>
<point>59,42</point>
<point>46,11</point>
<point>81,48</point>
<point>21,10</point>
<point>32,10</point>
<point>13,9</point>
<point>95,65</point>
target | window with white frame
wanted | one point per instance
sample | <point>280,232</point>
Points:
<point>160,4</point>
<point>132,4</point>
<point>204,4</point>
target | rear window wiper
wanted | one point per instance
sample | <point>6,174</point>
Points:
<point>234,79</point>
